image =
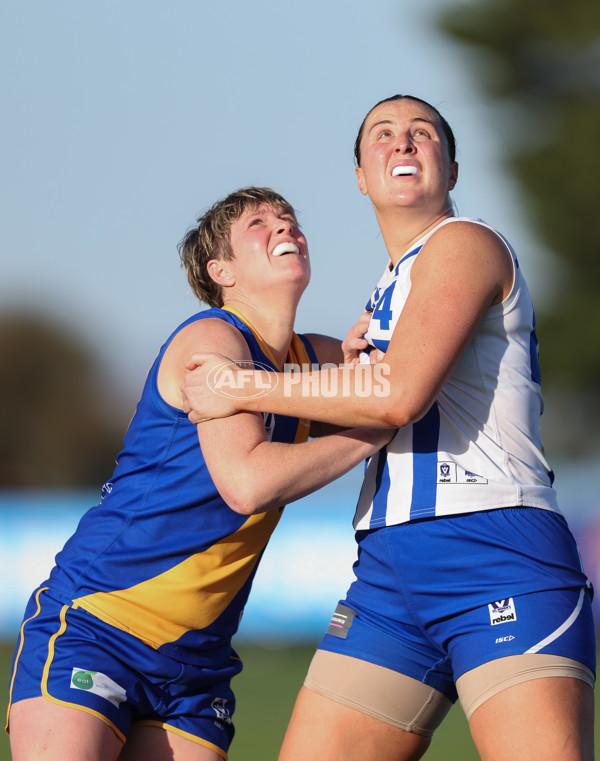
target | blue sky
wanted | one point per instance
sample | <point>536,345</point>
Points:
<point>123,120</point>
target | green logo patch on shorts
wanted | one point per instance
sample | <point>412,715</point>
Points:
<point>99,684</point>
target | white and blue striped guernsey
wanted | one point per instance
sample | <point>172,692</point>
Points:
<point>479,446</point>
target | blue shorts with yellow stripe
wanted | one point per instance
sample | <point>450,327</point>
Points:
<point>74,659</point>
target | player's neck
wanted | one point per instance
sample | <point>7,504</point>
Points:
<point>401,229</point>
<point>274,324</point>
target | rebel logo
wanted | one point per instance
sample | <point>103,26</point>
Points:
<point>502,611</point>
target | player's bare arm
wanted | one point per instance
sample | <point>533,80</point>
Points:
<point>461,271</point>
<point>210,335</point>
<point>251,473</point>
<point>328,349</point>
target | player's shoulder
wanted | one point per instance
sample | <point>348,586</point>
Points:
<point>464,238</point>
<point>464,228</point>
<point>212,334</point>
<point>468,251</point>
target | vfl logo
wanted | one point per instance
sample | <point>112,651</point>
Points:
<point>502,611</point>
<point>219,706</point>
<point>446,473</point>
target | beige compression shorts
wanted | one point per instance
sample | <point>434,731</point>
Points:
<point>410,705</point>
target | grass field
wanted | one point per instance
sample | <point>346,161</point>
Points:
<point>266,691</point>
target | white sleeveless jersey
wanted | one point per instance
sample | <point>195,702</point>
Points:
<point>479,446</point>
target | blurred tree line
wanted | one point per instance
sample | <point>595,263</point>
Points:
<point>59,429</point>
<point>539,62</point>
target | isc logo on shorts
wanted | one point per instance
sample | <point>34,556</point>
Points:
<point>502,612</point>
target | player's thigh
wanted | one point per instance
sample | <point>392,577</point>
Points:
<point>536,703</point>
<point>328,730</point>
<point>149,742</point>
<point>354,709</point>
<point>42,729</point>
<point>385,694</point>
<point>547,719</point>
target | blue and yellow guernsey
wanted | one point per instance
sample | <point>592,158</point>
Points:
<point>162,556</point>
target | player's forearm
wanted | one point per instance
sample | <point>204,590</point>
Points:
<point>358,396</point>
<point>274,474</point>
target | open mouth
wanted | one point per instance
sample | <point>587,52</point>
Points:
<point>287,247</point>
<point>402,171</point>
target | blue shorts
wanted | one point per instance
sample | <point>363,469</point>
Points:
<point>436,598</point>
<point>73,658</point>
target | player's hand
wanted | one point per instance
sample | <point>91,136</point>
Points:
<point>375,356</point>
<point>355,343</point>
<point>200,388</point>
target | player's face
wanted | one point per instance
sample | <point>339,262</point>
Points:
<point>268,245</point>
<point>404,157</point>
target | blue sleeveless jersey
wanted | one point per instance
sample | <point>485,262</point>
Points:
<point>162,556</point>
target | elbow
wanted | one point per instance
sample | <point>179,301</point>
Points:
<point>244,488</point>
<point>240,506</point>
<point>393,419</point>
<point>246,500</point>
<point>397,412</point>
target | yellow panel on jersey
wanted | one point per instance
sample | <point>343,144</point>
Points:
<point>191,595</point>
